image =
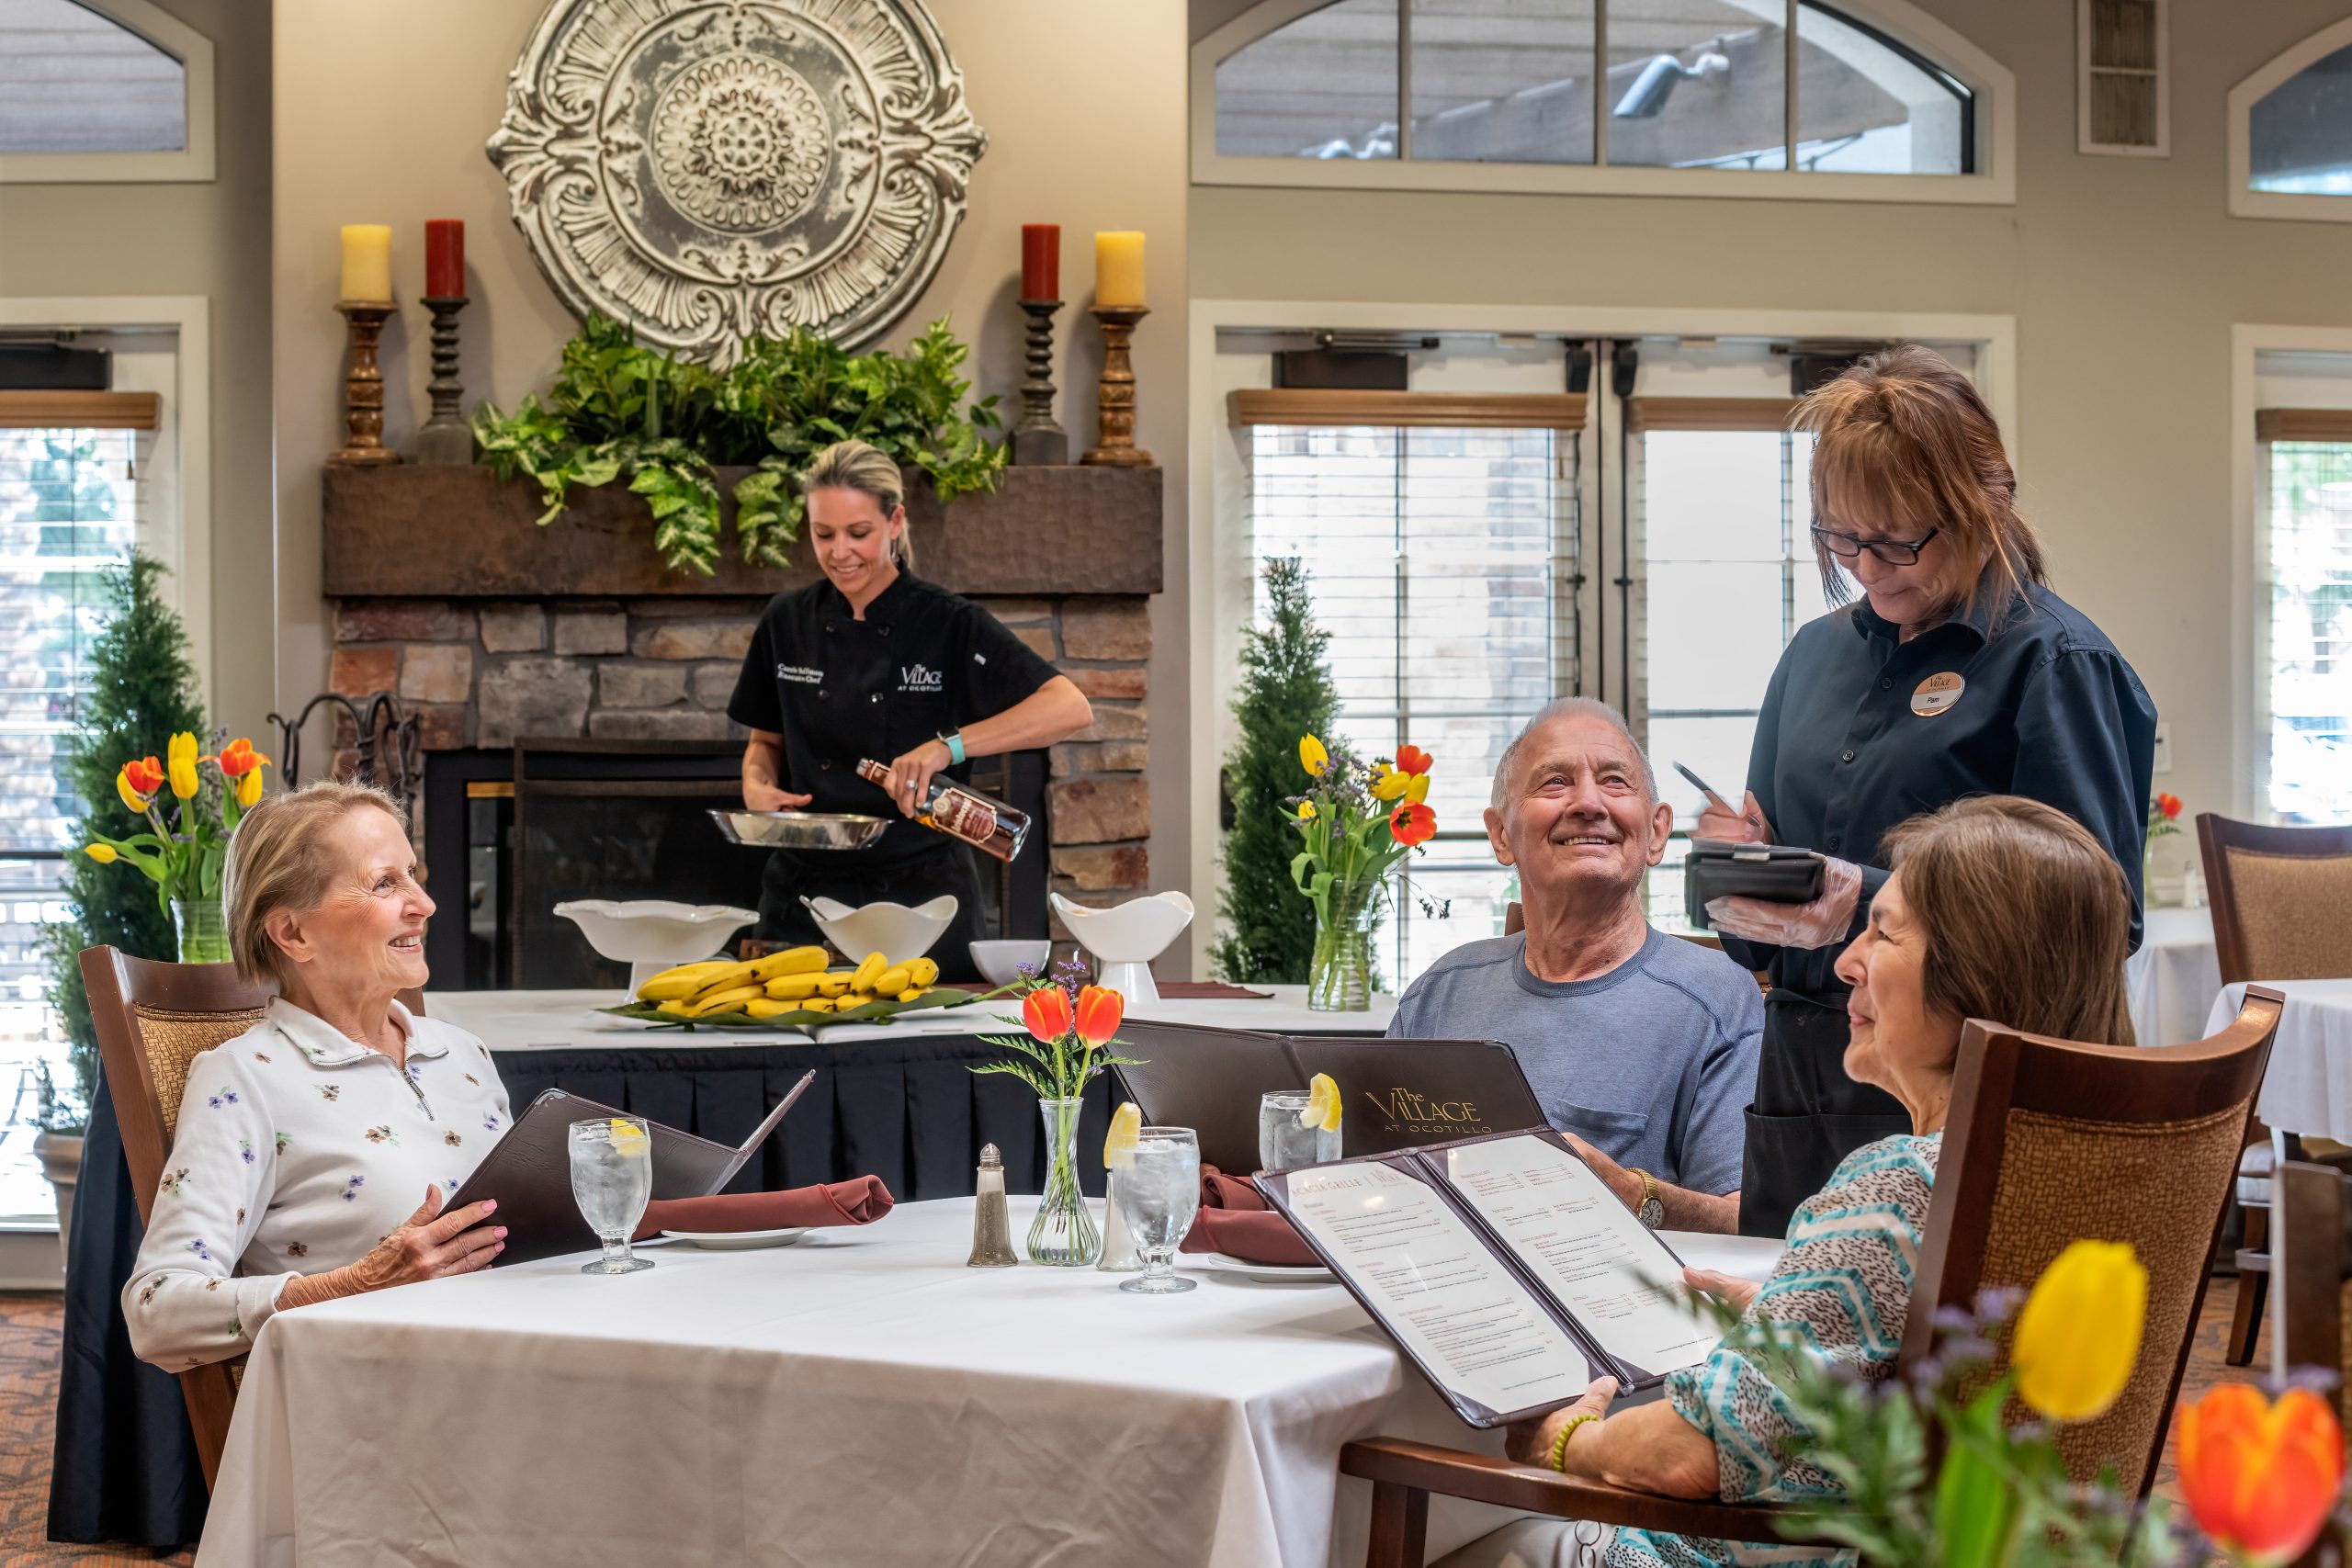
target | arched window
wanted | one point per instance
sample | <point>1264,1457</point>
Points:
<point>102,90</point>
<point>2291,132</point>
<point>1751,98</point>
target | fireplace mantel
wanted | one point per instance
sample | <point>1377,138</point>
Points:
<point>407,531</point>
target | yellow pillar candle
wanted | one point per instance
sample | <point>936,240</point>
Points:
<point>1118,268</point>
<point>367,261</point>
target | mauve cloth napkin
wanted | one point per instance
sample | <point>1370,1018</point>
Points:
<point>860,1200</point>
<point>1234,1220</point>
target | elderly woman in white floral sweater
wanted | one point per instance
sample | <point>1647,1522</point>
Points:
<point>305,1144</point>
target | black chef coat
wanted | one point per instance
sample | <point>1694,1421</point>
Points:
<point>922,661</point>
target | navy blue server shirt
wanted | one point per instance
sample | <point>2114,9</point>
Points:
<point>1861,729</point>
<point>838,689</point>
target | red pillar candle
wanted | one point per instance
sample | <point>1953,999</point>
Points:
<point>445,259</point>
<point>1041,261</point>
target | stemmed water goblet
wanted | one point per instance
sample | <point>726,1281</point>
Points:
<point>1159,1194</point>
<point>612,1178</point>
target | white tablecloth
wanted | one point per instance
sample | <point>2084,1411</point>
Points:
<point>523,1021</point>
<point>2171,982</point>
<point>2308,1088</point>
<point>861,1398</point>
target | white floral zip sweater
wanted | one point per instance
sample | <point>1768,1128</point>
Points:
<point>297,1150</point>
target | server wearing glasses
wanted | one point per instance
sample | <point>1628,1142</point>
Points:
<point>1958,673</point>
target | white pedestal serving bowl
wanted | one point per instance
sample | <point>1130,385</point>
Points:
<point>1126,938</point>
<point>653,934</point>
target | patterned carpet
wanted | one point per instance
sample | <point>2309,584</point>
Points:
<point>29,1341</point>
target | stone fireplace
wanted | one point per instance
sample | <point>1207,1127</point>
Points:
<point>491,629</point>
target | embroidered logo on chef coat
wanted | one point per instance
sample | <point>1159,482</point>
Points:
<point>799,674</point>
<point>1936,694</point>
<point>920,678</point>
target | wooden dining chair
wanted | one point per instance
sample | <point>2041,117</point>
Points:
<point>2049,1141</point>
<point>2312,1259</point>
<point>152,1021</point>
<point>2282,910</point>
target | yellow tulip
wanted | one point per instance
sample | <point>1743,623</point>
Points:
<point>102,853</point>
<point>1388,784</point>
<point>1307,811</point>
<point>1416,788</point>
<point>1312,756</point>
<point>2079,1333</point>
<point>249,790</point>
<point>180,765</point>
<point>131,796</point>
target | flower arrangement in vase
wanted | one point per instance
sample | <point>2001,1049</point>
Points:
<point>186,857</point>
<point>1355,822</point>
<point>1071,1027</point>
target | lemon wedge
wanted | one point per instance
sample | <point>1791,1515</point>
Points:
<point>1127,1126</point>
<point>626,1139</point>
<point>1322,1103</point>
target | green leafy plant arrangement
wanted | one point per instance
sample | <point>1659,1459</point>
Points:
<point>621,411</point>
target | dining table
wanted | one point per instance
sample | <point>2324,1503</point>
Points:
<point>2307,1089</point>
<point>2171,979</point>
<point>860,1395</point>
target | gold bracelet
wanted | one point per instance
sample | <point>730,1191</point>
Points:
<point>1560,1443</point>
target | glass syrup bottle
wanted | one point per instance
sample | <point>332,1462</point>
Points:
<point>961,812</point>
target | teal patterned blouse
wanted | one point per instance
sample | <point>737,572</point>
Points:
<point>1845,1281</point>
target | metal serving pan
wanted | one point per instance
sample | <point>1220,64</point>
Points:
<point>799,829</point>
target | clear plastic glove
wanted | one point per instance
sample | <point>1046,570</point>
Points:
<point>1746,827</point>
<point>1817,924</point>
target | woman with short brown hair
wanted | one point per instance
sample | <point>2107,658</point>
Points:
<point>1959,674</point>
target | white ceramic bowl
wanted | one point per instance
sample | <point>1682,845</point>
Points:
<point>653,934</point>
<point>999,961</point>
<point>1125,939</point>
<point>895,932</point>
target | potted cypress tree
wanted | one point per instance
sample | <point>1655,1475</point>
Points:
<point>143,684</point>
<point>1285,692</point>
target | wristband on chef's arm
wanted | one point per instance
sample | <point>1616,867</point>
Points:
<point>954,741</point>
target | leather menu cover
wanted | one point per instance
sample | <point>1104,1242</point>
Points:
<point>1207,1080</point>
<point>529,1171</point>
<point>1403,1094</point>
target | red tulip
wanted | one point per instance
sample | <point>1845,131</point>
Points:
<point>1099,1011</point>
<point>2169,804</point>
<point>2260,1478</point>
<point>144,775</point>
<point>1413,759</point>
<point>1412,823</point>
<point>1045,1011</point>
<point>239,758</point>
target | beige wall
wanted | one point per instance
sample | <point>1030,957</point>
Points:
<point>84,241</point>
<point>2124,275</point>
<point>382,109</point>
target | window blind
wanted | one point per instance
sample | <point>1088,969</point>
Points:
<point>2308,678</point>
<point>1441,562</point>
<point>1436,411</point>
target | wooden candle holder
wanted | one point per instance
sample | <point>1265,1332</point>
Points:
<point>1037,440</point>
<point>1115,398</point>
<point>444,440</point>
<point>363,387</point>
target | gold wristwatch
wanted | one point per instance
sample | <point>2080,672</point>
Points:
<point>1652,1212</point>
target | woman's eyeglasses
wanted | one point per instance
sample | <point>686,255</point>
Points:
<point>1894,552</point>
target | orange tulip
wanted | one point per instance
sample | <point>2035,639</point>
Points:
<point>239,758</point>
<point>144,775</point>
<point>1413,759</point>
<point>2260,1478</point>
<point>1045,1011</point>
<point>1412,823</point>
<point>2169,804</point>
<point>1099,1011</point>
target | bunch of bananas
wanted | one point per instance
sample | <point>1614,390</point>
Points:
<point>794,980</point>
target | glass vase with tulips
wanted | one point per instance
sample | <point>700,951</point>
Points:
<point>1069,1030</point>
<point>1355,822</point>
<point>184,856</point>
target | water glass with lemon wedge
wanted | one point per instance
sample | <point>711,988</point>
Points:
<point>1158,1192</point>
<point>1299,1127</point>
<point>612,1177</point>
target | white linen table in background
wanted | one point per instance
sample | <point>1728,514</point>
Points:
<point>525,1020</point>
<point>859,1399</point>
<point>2171,982</point>
<point>2308,1085</point>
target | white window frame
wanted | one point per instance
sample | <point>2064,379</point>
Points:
<point>184,444</point>
<point>193,163</point>
<point>1218,564</point>
<point>1995,119</point>
<point>2244,200</point>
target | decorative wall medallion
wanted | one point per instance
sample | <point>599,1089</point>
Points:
<point>708,169</point>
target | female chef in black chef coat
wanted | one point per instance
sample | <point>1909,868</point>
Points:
<point>876,662</point>
<point>1960,673</point>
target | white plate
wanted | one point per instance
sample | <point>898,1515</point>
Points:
<point>1267,1273</point>
<point>739,1241</point>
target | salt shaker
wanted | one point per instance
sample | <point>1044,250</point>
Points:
<point>1119,1254</point>
<point>991,1222</point>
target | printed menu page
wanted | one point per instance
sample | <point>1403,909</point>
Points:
<point>1589,1250</point>
<point>1437,1286</point>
